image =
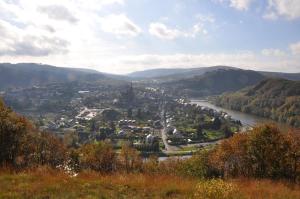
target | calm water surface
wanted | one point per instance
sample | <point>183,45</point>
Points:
<point>246,119</point>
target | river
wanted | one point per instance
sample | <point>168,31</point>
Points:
<point>246,119</point>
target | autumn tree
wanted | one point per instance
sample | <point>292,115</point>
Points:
<point>230,157</point>
<point>97,156</point>
<point>22,145</point>
<point>13,130</point>
<point>42,149</point>
<point>264,152</point>
<point>130,159</point>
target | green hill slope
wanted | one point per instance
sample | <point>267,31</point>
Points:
<point>27,75</point>
<point>215,82</point>
<point>278,99</point>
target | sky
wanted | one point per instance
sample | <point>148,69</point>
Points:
<point>122,36</point>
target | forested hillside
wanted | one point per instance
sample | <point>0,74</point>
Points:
<point>278,99</point>
<point>27,75</point>
<point>215,82</point>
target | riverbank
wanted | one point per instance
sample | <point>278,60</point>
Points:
<point>247,120</point>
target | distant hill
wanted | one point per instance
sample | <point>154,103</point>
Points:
<point>165,74</point>
<point>278,99</point>
<point>289,76</point>
<point>214,82</point>
<point>29,74</point>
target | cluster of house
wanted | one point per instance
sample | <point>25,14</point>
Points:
<point>174,136</point>
<point>127,126</point>
<point>147,141</point>
<point>87,114</point>
<point>203,109</point>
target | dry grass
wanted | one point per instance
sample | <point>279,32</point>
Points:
<point>262,189</point>
<point>47,183</point>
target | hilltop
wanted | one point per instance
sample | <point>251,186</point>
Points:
<point>173,74</point>
<point>31,74</point>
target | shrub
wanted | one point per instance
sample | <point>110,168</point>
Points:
<point>216,189</point>
<point>97,156</point>
<point>129,159</point>
<point>42,149</point>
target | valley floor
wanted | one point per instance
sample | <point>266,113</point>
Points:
<point>44,183</point>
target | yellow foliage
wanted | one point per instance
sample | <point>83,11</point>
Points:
<point>216,189</point>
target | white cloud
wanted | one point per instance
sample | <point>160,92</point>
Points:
<point>187,60</point>
<point>295,48</point>
<point>27,35</point>
<point>289,9</point>
<point>19,42</point>
<point>205,18</point>
<point>36,29</point>
<point>120,25</point>
<point>246,60</point>
<point>270,15</point>
<point>238,4</point>
<point>58,12</point>
<point>161,31</point>
<point>273,52</point>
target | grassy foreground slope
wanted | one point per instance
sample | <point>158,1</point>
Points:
<point>45,183</point>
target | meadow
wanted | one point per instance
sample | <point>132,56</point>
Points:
<point>45,182</point>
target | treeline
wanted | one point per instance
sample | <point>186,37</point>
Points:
<point>264,152</point>
<point>277,99</point>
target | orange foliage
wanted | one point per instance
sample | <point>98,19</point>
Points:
<point>264,152</point>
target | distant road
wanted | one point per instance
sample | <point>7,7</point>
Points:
<point>171,148</point>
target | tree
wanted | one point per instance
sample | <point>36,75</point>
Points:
<point>266,148</point>
<point>93,126</point>
<point>199,132</point>
<point>112,126</point>
<point>98,156</point>
<point>139,113</point>
<point>227,132</point>
<point>263,152</point>
<point>216,123</point>
<point>129,113</point>
<point>130,159</point>
<point>42,149</point>
<point>230,158</point>
<point>13,130</point>
<point>110,114</point>
<point>293,157</point>
<point>21,145</point>
<point>74,160</point>
<point>151,165</point>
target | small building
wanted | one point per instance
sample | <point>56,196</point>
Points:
<point>176,133</point>
<point>122,133</point>
<point>146,129</point>
<point>150,139</point>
